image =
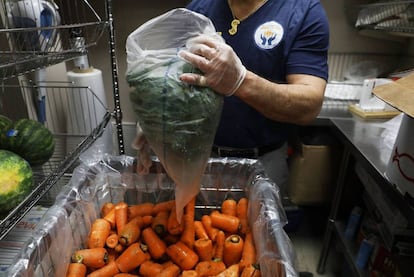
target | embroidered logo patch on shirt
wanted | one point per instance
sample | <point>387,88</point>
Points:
<point>268,35</point>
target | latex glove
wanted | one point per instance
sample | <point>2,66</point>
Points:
<point>141,144</point>
<point>222,68</point>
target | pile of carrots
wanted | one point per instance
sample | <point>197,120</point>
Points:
<point>147,240</point>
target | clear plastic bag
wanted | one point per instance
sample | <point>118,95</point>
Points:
<point>179,121</point>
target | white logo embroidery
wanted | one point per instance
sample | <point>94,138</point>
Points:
<point>268,35</point>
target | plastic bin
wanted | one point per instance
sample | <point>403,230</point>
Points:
<point>65,226</point>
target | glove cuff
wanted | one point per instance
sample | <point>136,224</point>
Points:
<point>239,81</point>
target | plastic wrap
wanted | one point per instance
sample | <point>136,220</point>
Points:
<point>179,121</point>
<point>65,226</point>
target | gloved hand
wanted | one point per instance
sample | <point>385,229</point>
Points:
<point>141,144</point>
<point>222,68</point>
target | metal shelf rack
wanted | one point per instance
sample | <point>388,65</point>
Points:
<point>28,44</point>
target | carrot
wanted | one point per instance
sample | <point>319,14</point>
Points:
<point>156,246</point>
<point>170,239</point>
<point>207,224</point>
<point>241,213</point>
<point>172,270</point>
<point>249,252</point>
<point>106,208</point>
<point>150,269</point>
<point>174,226</point>
<point>189,273</point>
<point>163,206</point>
<point>219,246</point>
<point>225,222</point>
<point>200,231</point>
<point>188,234</point>
<point>159,223</point>
<point>233,248</point>
<point>209,268</point>
<point>121,216</point>
<point>125,275</point>
<point>204,249</point>
<point>76,270</point>
<point>108,270</point>
<point>228,206</point>
<point>182,255</point>
<point>231,271</point>
<point>131,231</point>
<point>110,217</point>
<point>91,257</point>
<point>119,248</point>
<point>190,208</point>
<point>112,254</point>
<point>112,240</point>
<point>142,209</point>
<point>131,258</point>
<point>99,232</point>
<point>251,271</point>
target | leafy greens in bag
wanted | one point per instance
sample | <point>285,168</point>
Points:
<point>179,121</point>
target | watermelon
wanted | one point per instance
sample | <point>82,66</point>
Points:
<point>16,180</point>
<point>5,124</point>
<point>31,140</point>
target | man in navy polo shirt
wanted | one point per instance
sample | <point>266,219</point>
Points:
<point>273,68</point>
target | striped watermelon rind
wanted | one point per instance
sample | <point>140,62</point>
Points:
<point>5,124</point>
<point>31,140</point>
<point>16,180</point>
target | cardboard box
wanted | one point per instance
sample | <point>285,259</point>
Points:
<point>400,168</point>
<point>312,176</point>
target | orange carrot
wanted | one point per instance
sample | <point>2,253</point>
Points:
<point>91,257</point>
<point>228,206</point>
<point>163,206</point>
<point>241,212</point>
<point>156,246</point>
<point>182,255</point>
<point>225,222</point>
<point>211,231</point>
<point>219,246</point>
<point>112,254</point>
<point>251,271</point>
<point>108,270</point>
<point>199,230</point>
<point>159,223</point>
<point>189,273</point>
<point>249,252</point>
<point>204,249</point>
<point>172,270</point>
<point>188,234</point>
<point>142,209</point>
<point>131,231</point>
<point>125,275</point>
<point>190,208</point>
<point>209,268</point>
<point>110,217</point>
<point>106,208</point>
<point>170,239</point>
<point>233,248</point>
<point>174,226</point>
<point>150,269</point>
<point>112,240</point>
<point>76,270</point>
<point>121,216</point>
<point>119,248</point>
<point>99,232</point>
<point>131,258</point>
<point>231,271</point>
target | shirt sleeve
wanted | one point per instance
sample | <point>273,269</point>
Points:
<point>309,52</point>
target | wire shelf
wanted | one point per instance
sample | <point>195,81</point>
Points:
<point>388,16</point>
<point>76,117</point>
<point>38,33</point>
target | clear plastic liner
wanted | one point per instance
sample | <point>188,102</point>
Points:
<point>65,226</point>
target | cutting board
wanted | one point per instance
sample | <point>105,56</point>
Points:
<point>372,114</point>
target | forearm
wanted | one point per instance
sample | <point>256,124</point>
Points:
<point>297,102</point>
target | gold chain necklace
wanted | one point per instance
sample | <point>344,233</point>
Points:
<point>235,22</point>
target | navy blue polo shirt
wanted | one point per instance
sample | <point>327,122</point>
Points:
<point>282,37</point>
